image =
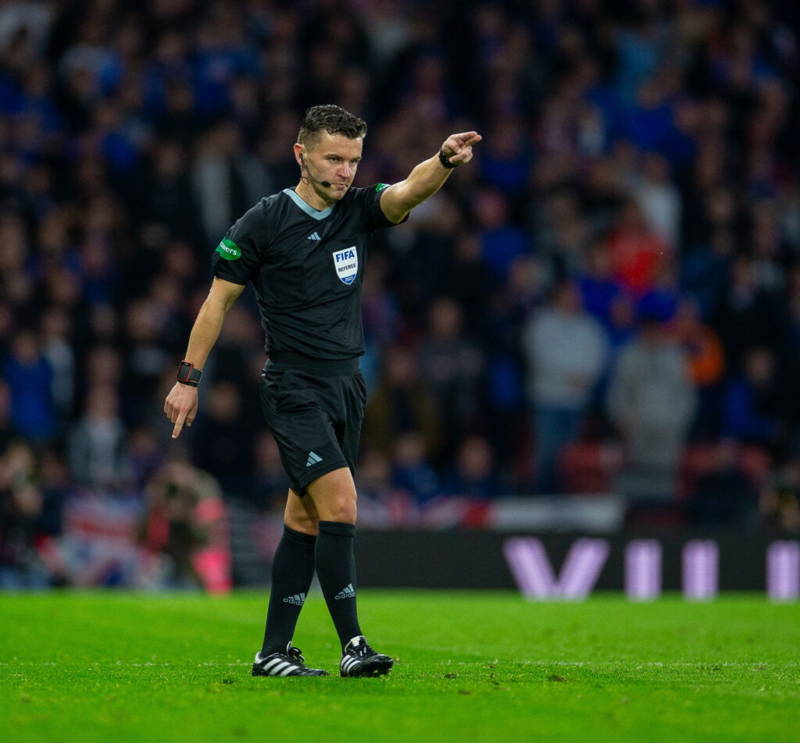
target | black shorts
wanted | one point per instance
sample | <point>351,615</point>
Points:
<point>314,410</point>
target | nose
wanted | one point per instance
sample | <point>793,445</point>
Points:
<point>346,170</point>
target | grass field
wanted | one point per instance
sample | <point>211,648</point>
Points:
<point>471,667</point>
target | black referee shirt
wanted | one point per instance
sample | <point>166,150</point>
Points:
<point>307,267</point>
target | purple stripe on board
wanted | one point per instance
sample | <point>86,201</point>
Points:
<point>700,569</point>
<point>582,568</point>
<point>530,567</point>
<point>783,571</point>
<point>643,569</point>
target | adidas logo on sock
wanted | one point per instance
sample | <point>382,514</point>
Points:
<point>313,458</point>
<point>348,592</point>
<point>314,236</point>
<point>298,599</point>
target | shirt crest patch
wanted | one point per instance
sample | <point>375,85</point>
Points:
<point>346,264</point>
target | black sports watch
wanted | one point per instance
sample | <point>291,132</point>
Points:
<point>443,159</point>
<point>187,374</point>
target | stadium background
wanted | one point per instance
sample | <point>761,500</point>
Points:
<point>637,191</point>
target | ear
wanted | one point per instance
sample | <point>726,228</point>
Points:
<point>298,153</point>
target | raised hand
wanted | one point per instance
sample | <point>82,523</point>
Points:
<point>457,148</point>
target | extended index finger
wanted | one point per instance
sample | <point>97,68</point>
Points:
<point>176,431</point>
<point>466,138</point>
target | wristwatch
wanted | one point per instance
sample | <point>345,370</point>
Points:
<point>187,374</point>
<point>443,159</point>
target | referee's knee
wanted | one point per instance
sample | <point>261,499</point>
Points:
<point>343,510</point>
<point>344,513</point>
<point>302,523</point>
<point>334,497</point>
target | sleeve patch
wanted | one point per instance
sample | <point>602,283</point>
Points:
<point>380,186</point>
<point>229,250</point>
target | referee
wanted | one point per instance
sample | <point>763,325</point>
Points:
<point>304,250</point>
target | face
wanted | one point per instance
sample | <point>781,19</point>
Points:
<point>333,158</point>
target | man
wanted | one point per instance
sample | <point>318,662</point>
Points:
<point>304,249</point>
<point>567,352</point>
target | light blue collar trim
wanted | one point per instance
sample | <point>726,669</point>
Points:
<point>307,208</point>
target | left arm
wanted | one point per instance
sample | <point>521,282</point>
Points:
<point>427,177</point>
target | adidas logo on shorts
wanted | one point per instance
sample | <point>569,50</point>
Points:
<point>298,599</point>
<point>348,592</point>
<point>313,458</point>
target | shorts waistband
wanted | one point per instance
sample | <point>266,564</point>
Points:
<point>280,360</point>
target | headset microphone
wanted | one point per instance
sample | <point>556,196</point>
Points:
<point>324,184</point>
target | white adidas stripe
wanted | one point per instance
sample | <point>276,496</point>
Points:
<point>348,663</point>
<point>287,671</point>
<point>272,664</point>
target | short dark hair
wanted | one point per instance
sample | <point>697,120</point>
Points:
<point>334,120</point>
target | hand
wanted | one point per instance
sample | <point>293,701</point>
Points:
<point>181,407</point>
<point>457,148</point>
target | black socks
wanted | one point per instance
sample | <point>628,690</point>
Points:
<point>336,569</point>
<point>292,571</point>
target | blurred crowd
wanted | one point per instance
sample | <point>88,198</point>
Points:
<point>608,298</point>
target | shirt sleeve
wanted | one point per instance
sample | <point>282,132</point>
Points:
<point>240,253</point>
<point>373,214</point>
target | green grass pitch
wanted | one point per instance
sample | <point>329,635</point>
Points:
<point>471,667</point>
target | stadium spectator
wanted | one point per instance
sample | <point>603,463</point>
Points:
<point>501,240</point>
<point>451,365</point>
<point>474,474</point>
<point>706,360</point>
<point>752,404</point>
<point>268,482</point>
<point>222,444</point>
<point>144,455</point>
<point>30,378</point>
<point>21,508</point>
<point>566,352</point>
<point>636,250</point>
<point>96,443</point>
<point>402,403</point>
<point>7,431</point>
<point>599,289</point>
<point>57,350</point>
<point>380,503</point>
<point>651,401</point>
<point>659,199</point>
<point>412,471</point>
<point>748,314</point>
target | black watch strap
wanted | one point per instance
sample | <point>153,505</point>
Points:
<point>445,162</point>
<point>187,374</point>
